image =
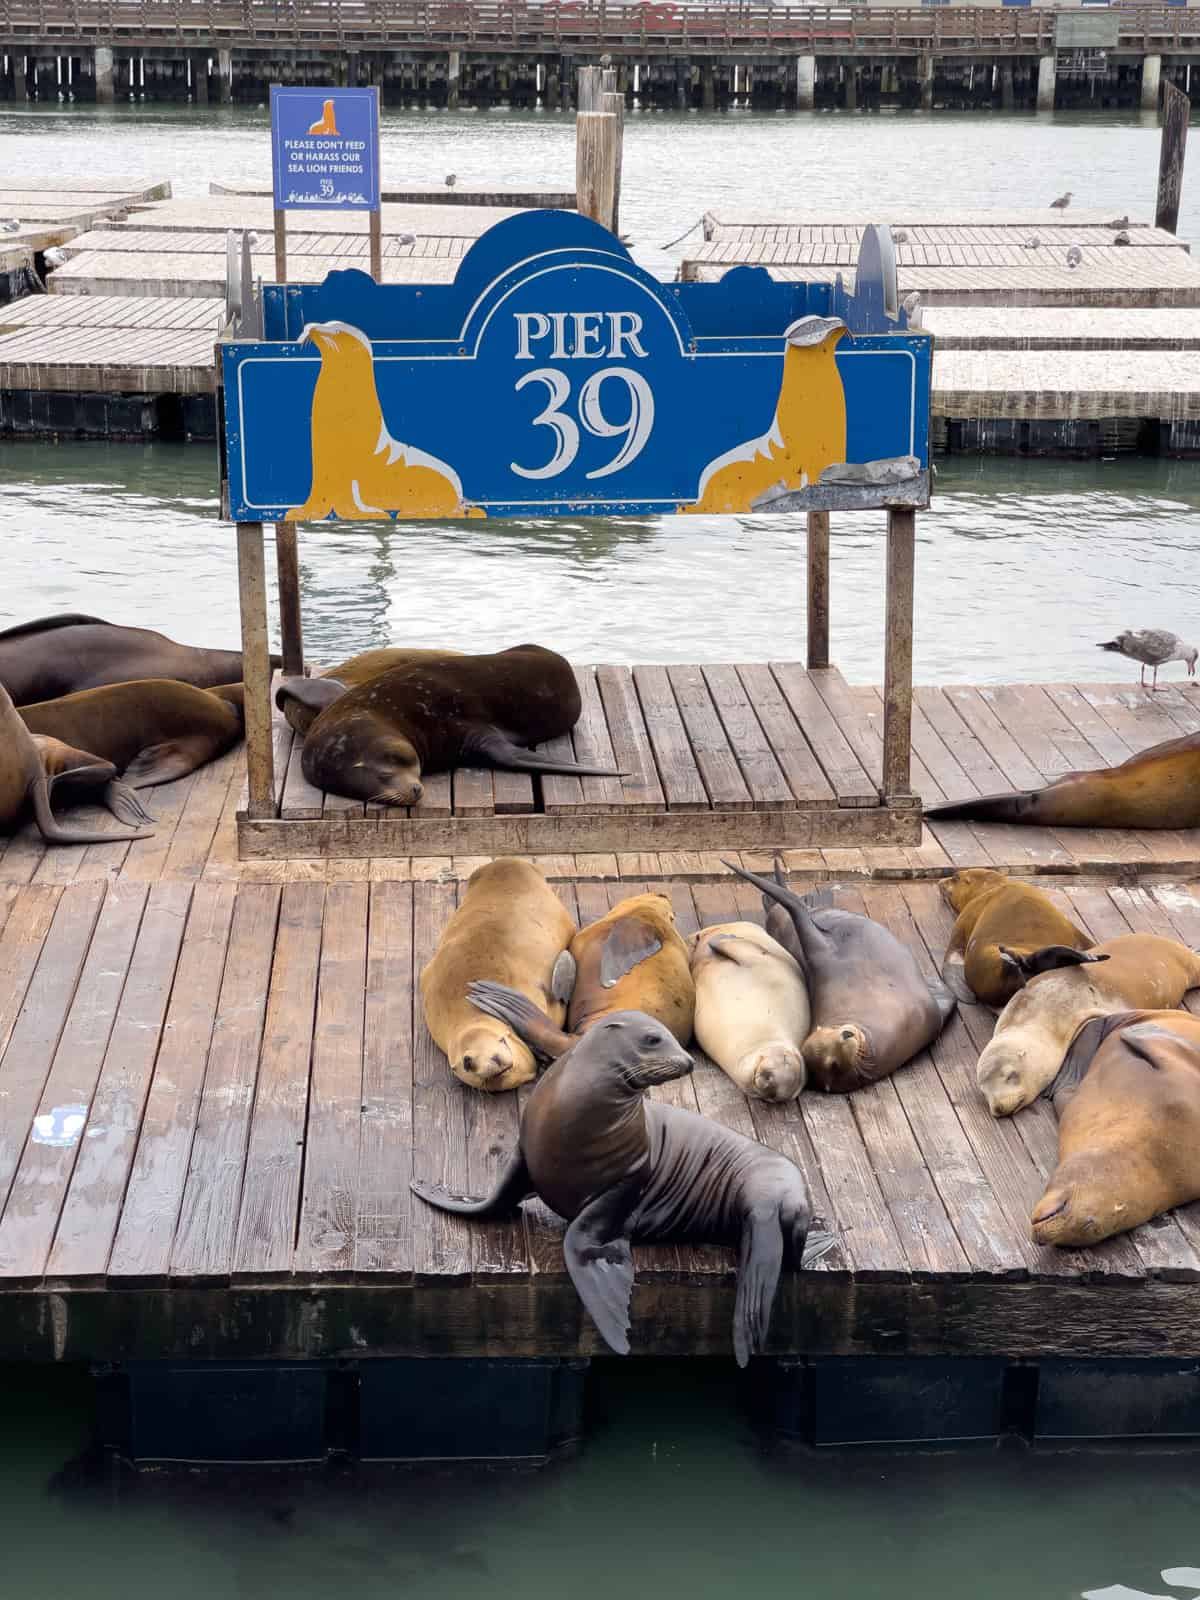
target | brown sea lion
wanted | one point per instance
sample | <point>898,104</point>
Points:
<point>152,730</point>
<point>31,766</point>
<point>54,656</point>
<point>872,1010</point>
<point>511,927</point>
<point>1006,932</point>
<point>374,742</point>
<point>633,959</point>
<point>622,1169</point>
<point>1128,1103</point>
<point>351,674</point>
<point>1160,788</point>
<point>1143,971</point>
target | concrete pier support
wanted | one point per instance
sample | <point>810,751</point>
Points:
<point>851,71</point>
<point>224,76</point>
<point>1047,80</point>
<point>103,64</point>
<point>20,78</point>
<point>453,68</point>
<point>683,85</point>
<point>1007,99</point>
<point>927,70</point>
<point>708,86</point>
<point>200,78</point>
<point>806,82</point>
<point>1151,76</point>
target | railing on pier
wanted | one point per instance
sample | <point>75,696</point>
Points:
<point>571,24</point>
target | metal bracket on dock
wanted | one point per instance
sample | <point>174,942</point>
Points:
<point>243,302</point>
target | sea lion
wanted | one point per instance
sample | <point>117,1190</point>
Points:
<point>622,1169</point>
<point>871,1009</point>
<point>1128,1103</point>
<point>752,1010</point>
<point>351,674</point>
<point>54,656</point>
<point>373,743</point>
<point>1006,932</point>
<point>152,730</point>
<point>31,766</point>
<point>807,433</point>
<point>633,959</point>
<point>1159,788</point>
<point>511,927</point>
<point>358,469</point>
<point>1143,970</point>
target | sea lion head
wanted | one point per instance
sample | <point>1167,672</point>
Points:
<point>488,1055</point>
<point>1086,1200</point>
<point>639,1050</point>
<point>363,756</point>
<point>1005,1073</point>
<point>837,1056</point>
<point>962,887</point>
<point>775,1072</point>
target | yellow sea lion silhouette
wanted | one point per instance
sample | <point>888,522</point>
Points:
<point>327,124</point>
<point>358,469</point>
<point>808,432</point>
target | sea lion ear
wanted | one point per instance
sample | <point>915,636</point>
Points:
<point>315,693</point>
<point>627,945</point>
<point>562,979</point>
<point>1080,1053</point>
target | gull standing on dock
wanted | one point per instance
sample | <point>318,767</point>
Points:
<point>1063,201</point>
<point>451,179</point>
<point>1153,647</point>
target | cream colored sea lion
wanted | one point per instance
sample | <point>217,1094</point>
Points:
<point>358,469</point>
<point>633,959</point>
<point>30,767</point>
<point>1006,932</point>
<point>1128,1103</point>
<point>1160,788</point>
<point>752,1011</point>
<point>1143,971</point>
<point>807,434</point>
<point>513,929</point>
<point>351,674</point>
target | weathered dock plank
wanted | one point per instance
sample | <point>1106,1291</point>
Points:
<point>111,272</point>
<point>1061,328</point>
<point>459,195</point>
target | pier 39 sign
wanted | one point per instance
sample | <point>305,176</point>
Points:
<point>556,377</point>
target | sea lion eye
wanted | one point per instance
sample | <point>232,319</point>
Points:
<point>847,1033</point>
<point>651,1038</point>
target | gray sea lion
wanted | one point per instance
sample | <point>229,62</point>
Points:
<point>1128,1103</point>
<point>1005,933</point>
<point>625,1170</point>
<point>349,674</point>
<point>872,1009</point>
<point>1160,788</point>
<point>152,730</point>
<point>633,959</point>
<point>31,766</point>
<point>374,742</point>
<point>53,656</point>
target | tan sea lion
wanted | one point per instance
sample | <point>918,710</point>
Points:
<point>373,743</point>
<point>31,766</point>
<point>633,959</point>
<point>1006,932</point>
<point>152,730</point>
<point>872,1009</point>
<point>623,1169</point>
<point>1143,971</point>
<point>351,674</point>
<point>1128,1103</point>
<point>54,656</point>
<point>752,1010</point>
<point>512,928</point>
<point>1160,788</point>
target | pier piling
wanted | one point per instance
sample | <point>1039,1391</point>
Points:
<point>1176,112</point>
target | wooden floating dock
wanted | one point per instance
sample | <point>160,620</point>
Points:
<point>459,195</point>
<point>1067,328</point>
<point>201,274</point>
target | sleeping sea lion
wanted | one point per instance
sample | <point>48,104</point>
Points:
<point>633,959</point>
<point>30,767</point>
<point>1128,1103</point>
<point>752,1010</point>
<point>872,1010</point>
<point>1006,932</point>
<point>1160,788</point>
<point>152,730</point>
<point>622,1169</point>
<point>54,656</point>
<point>349,674</point>
<point>1143,971</point>
<point>373,743</point>
<point>511,927</point>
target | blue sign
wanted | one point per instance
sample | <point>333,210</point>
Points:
<point>554,376</point>
<point>325,149</point>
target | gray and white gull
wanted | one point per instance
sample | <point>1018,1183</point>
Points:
<point>1153,647</point>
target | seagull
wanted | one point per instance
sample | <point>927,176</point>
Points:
<point>55,257</point>
<point>912,308</point>
<point>1063,201</point>
<point>1118,222</point>
<point>606,60</point>
<point>899,236</point>
<point>1074,257</point>
<point>451,179</point>
<point>404,239</point>
<point>1032,244</point>
<point>1122,238</point>
<point>10,225</point>
<point>1153,647</point>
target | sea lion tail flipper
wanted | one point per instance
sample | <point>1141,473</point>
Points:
<point>499,751</point>
<point>800,909</point>
<point>527,1020</point>
<point>562,979</point>
<point>124,804</point>
<point>944,998</point>
<point>1013,807</point>
<point>167,760</point>
<point>758,1279</point>
<point>54,832</point>
<point>600,1262</point>
<point>627,944</point>
<point>512,1188</point>
<point>1080,1051</point>
<point>1050,958</point>
<point>954,977</point>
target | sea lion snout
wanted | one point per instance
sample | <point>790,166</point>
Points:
<point>834,1056</point>
<point>491,1058</point>
<point>775,1074</point>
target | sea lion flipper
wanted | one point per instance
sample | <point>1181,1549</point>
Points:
<point>526,1020</point>
<point>600,1261</point>
<point>54,832</point>
<point>954,977</point>
<point>944,998</point>
<point>124,804</point>
<point>165,761</point>
<point>758,1279</point>
<point>512,1188</point>
<point>799,909</point>
<point>1079,1054</point>
<point>562,979</point>
<point>628,943</point>
<point>314,693</point>
<point>1050,958</point>
<point>498,750</point>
